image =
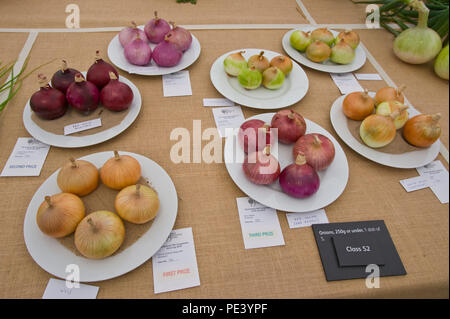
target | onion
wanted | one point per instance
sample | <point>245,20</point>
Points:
<point>318,150</point>
<point>250,78</point>
<point>342,53</point>
<point>234,63</point>
<point>378,130</point>
<point>318,51</point>
<point>324,35</point>
<point>299,180</point>
<point>120,171</point>
<point>63,78</point>
<point>83,95</point>
<point>273,78</point>
<point>390,94</point>
<point>300,40</point>
<point>156,29</point>
<point>128,34</point>
<point>98,72</point>
<point>99,234</point>
<point>166,53</point>
<point>419,44</point>
<point>291,126</point>
<point>137,204</point>
<point>138,52</point>
<point>283,63</point>
<point>441,64</point>
<point>259,62</point>
<point>116,96</point>
<point>179,36</point>
<point>59,215</point>
<point>358,105</point>
<point>387,108</point>
<point>422,130</point>
<point>78,177</point>
<point>350,37</point>
<point>254,135</point>
<point>48,103</point>
<point>261,167</point>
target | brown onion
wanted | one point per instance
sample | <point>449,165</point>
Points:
<point>317,148</point>
<point>422,130</point>
<point>261,167</point>
<point>283,63</point>
<point>358,105</point>
<point>78,177</point>
<point>120,171</point>
<point>259,61</point>
<point>387,108</point>
<point>137,204</point>
<point>378,130</point>
<point>390,94</point>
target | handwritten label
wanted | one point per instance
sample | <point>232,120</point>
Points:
<point>368,77</point>
<point>218,102</point>
<point>177,84</point>
<point>57,289</point>
<point>415,183</point>
<point>82,126</point>
<point>228,117</point>
<point>346,82</point>
<point>297,220</point>
<point>437,176</point>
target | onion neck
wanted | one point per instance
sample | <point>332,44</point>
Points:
<point>63,66</point>
<point>116,155</point>
<point>291,116</point>
<point>91,223</point>
<point>74,163</point>
<point>112,75</point>
<point>133,25</point>
<point>49,201</point>
<point>317,141</point>
<point>97,56</point>
<point>424,12</point>
<point>261,55</point>
<point>79,78</point>
<point>435,118</point>
<point>138,190</point>
<point>156,16</point>
<point>266,150</point>
<point>301,159</point>
<point>42,80</point>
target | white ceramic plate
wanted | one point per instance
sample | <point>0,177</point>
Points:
<point>293,90</point>
<point>117,57</point>
<point>68,141</point>
<point>53,257</point>
<point>414,159</point>
<point>327,66</point>
<point>332,180</point>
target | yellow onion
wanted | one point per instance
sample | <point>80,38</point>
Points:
<point>59,215</point>
<point>99,234</point>
<point>378,130</point>
<point>390,94</point>
<point>137,204</point>
<point>78,177</point>
<point>358,105</point>
<point>120,171</point>
<point>422,130</point>
<point>350,37</point>
<point>387,108</point>
<point>259,61</point>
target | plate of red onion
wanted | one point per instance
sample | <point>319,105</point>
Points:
<point>304,180</point>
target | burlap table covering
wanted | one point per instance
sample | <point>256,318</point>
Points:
<point>336,11</point>
<point>418,223</point>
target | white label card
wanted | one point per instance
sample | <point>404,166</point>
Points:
<point>228,117</point>
<point>57,289</point>
<point>177,84</point>
<point>260,225</point>
<point>297,220</point>
<point>175,263</point>
<point>437,176</point>
<point>346,82</point>
<point>218,102</point>
<point>27,158</point>
<point>82,126</point>
<point>143,70</point>
<point>415,183</point>
<point>368,77</point>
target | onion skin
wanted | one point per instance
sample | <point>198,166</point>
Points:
<point>323,35</point>
<point>342,53</point>
<point>63,78</point>
<point>261,167</point>
<point>388,93</point>
<point>59,215</point>
<point>273,78</point>
<point>377,130</point>
<point>358,105</point>
<point>318,51</point>
<point>116,96</point>
<point>98,73</point>
<point>78,177</point>
<point>250,78</point>
<point>120,171</point>
<point>259,62</point>
<point>299,179</point>
<point>48,103</point>
<point>291,126</point>
<point>137,204</point>
<point>387,108</point>
<point>250,134</point>
<point>422,130</point>
<point>318,150</point>
<point>283,63</point>
<point>83,95</point>
<point>156,29</point>
<point>167,54</point>
<point>138,52</point>
<point>441,64</point>
<point>181,37</point>
<point>234,63</point>
<point>128,34</point>
<point>99,234</point>
<point>300,40</point>
<point>350,37</point>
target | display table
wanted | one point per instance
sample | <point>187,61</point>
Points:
<point>417,222</point>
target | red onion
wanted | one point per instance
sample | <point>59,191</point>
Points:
<point>179,36</point>
<point>63,78</point>
<point>261,167</point>
<point>156,29</point>
<point>166,53</point>
<point>291,126</point>
<point>98,73</point>
<point>48,103</point>
<point>116,96</point>
<point>317,148</point>
<point>299,180</point>
<point>128,34</point>
<point>82,95</point>
<point>253,131</point>
<point>138,52</point>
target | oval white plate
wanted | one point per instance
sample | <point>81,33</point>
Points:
<point>53,257</point>
<point>413,159</point>
<point>117,57</point>
<point>293,90</point>
<point>69,141</point>
<point>327,66</point>
<point>332,180</point>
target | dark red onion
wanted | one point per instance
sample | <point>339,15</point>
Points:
<point>249,138</point>
<point>138,52</point>
<point>98,73</point>
<point>156,29</point>
<point>299,180</point>
<point>48,103</point>
<point>116,96</point>
<point>261,167</point>
<point>291,126</point>
<point>128,34</point>
<point>83,95</point>
<point>166,54</point>
<point>179,36</point>
<point>63,78</point>
<point>317,148</point>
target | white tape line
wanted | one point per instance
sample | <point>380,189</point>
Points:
<point>306,13</point>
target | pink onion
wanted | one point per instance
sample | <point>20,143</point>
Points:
<point>156,29</point>
<point>261,167</point>
<point>166,53</point>
<point>179,36</point>
<point>63,78</point>
<point>116,96</point>
<point>252,132</point>
<point>299,180</point>
<point>98,73</point>
<point>128,34</point>
<point>83,95</point>
<point>291,126</point>
<point>138,52</point>
<point>48,103</point>
<point>317,148</point>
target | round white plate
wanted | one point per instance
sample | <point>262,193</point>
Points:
<point>293,90</point>
<point>69,141</point>
<point>53,257</point>
<point>413,159</point>
<point>117,57</point>
<point>327,66</point>
<point>332,180</point>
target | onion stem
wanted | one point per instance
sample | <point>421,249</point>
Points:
<point>48,200</point>
<point>116,155</point>
<point>94,228</point>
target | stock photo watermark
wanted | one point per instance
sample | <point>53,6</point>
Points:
<point>373,279</point>
<point>73,19</point>
<point>73,277</point>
